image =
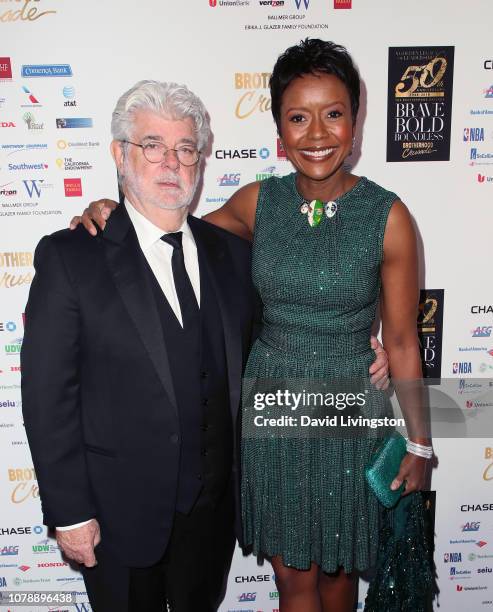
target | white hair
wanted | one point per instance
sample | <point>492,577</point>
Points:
<point>168,99</point>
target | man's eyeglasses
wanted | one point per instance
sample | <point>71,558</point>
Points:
<point>155,152</point>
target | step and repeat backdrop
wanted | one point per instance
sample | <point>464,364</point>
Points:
<point>425,131</point>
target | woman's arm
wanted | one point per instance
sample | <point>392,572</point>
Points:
<point>237,215</point>
<point>399,308</point>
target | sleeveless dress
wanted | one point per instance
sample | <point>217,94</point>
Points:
<point>305,497</point>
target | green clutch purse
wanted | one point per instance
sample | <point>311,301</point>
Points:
<point>383,468</point>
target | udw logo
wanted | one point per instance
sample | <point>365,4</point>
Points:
<point>305,2</point>
<point>33,186</point>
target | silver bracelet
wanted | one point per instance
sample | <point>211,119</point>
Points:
<point>419,449</point>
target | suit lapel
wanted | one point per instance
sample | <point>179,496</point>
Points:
<point>129,270</point>
<point>214,257</point>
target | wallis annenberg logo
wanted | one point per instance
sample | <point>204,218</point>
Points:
<point>24,10</point>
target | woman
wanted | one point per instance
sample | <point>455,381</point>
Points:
<point>327,246</point>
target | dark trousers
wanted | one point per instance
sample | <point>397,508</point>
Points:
<point>190,576</point>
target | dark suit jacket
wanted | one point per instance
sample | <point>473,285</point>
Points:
<point>98,400</point>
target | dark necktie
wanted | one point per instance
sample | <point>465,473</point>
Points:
<point>186,295</point>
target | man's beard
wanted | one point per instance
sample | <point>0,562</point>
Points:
<point>135,184</point>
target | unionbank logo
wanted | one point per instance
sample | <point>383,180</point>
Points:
<point>213,3</point>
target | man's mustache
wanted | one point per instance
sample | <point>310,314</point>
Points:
<point>169,177</point>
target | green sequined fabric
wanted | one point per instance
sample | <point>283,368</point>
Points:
<point>306,499</point>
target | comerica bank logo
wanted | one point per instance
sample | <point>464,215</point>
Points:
<point>46,70</point>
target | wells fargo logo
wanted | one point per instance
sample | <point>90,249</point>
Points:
<point>251,99</point>
<point>488,470</point>
<point>22,10</point>
<point>24,487</point>
<point>10,278</point>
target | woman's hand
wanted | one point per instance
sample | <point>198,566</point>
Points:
<point>97,212</point>
<point>413,472</point>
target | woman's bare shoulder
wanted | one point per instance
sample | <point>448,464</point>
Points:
<point>237,215</point>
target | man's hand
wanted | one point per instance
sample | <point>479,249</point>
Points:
<point>78,544</point>
<point>98,212</point>
<point>379,369</point>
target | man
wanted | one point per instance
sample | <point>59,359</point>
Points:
<point>132,417</point>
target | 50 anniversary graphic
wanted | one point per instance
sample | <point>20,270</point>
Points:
<point>419,103</point>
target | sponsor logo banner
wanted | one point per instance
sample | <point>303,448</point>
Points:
<point>430,332</point>
<point>419,103</point>
<point>46,70</point>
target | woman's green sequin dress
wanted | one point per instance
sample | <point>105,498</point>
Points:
<point>305,498</point>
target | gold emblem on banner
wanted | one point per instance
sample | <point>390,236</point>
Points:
<point>252,101</point>
<point>425,77</point>
<point>29,11</point>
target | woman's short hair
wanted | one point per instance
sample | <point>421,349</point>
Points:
<point>313,56</point>
<point>168,99</point>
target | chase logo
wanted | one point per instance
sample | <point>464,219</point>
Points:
<point>46,70</point>
<point>264,152</point>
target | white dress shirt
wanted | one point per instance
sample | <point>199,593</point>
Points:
<point>158,255</point>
